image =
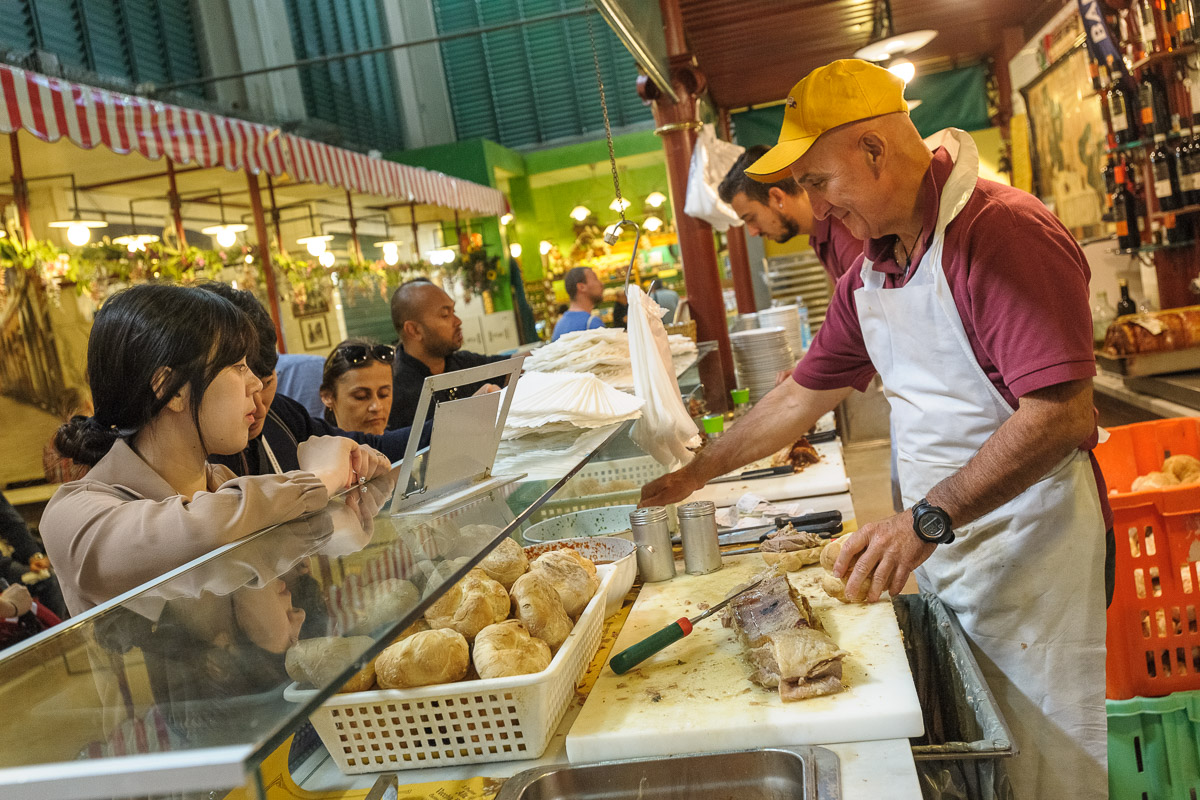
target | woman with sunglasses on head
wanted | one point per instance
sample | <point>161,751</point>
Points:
<point>356,386</point>
<point>281,424</point>
<point>171,386</point>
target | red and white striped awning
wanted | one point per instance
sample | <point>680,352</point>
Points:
<point>51,108</point>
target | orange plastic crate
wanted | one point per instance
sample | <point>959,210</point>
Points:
<point>1153,639</point>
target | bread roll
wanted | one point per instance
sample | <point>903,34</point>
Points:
<point>506,563</point>
<point>574,584</point>
<point>1185,468</point>
<point>506,649</point>
<point>537,604</point>
<point>1153,480</point>
<point>385,602</point>
<point>586,563</point>
<point>829,554</point>
<point>315,663</point>
<point>834,587</point>
<point>792,560</point>
<point>470,605</point>
<point>424,659</point>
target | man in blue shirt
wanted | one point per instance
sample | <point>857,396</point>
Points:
<point>585,290</point>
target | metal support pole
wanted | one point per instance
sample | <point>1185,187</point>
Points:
<point>412,210</point>
<point>20,189</point>
<point>735,239</point>
<point>274,213</point>
<point>176,204</point>
<point>355,246</point>
<point>677,124</point>
<point>264,258</point>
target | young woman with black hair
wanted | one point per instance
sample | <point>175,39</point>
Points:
<point>170,386</point>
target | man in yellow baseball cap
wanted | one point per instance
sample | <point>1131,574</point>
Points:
<point>971,302</point>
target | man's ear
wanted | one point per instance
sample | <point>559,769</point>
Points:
<point>411,330</point>
<point>776,196</point>
<point>874,150</point>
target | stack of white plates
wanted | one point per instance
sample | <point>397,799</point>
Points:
<point>786,317</point>
<point>758,356</point>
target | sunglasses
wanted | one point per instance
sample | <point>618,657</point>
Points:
<point>358,354</point>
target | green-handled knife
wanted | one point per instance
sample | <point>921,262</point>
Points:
<point>635,654</point>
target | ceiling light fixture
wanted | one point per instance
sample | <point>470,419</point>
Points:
<point>652,224</point>
<point>326,259</point>
<point>506,219</point>
<point>656,199</point>
<point>316,243</point>
<point>903,69</point>
<point>580,213</point>
<point>885,43</point>
<point>79,230</point>
<point>135,242</point>
<point>545,247</point>
<point>226,233</point>
<point>514,250</point>
<point>619,204</point>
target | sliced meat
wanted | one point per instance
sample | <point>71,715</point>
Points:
<point>809,663</point>
<point>788,539</point>
<point>771,607</point>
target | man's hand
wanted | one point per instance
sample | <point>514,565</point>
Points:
<point>886,551</point>
<point>670,488</point>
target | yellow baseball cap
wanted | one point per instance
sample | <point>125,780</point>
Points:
<point>835,94</point>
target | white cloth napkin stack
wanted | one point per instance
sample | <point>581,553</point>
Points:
<point>555,401</point>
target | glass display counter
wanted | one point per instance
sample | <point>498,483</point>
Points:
<point>177,689</point>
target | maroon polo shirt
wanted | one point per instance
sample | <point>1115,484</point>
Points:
<point>835,246</point>
<point>1019,282</point>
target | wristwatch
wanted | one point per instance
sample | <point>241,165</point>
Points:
<point>932,524</point>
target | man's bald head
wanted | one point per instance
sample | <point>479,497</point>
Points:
<point>424,318</point>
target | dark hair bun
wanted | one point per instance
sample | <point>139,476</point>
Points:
<point>84,440</point>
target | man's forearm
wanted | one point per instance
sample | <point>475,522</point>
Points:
<point>1047,426</point>
<point>781,417</point>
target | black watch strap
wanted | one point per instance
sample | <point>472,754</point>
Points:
<point>932,524</point>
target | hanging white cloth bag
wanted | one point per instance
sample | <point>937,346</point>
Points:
<point>711,161</point>
<point>665,429</point>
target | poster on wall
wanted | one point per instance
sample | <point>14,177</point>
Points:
<point>1067,134</point>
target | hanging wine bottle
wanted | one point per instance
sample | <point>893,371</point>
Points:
<point>1125,213</point>
<point>1122,107</point>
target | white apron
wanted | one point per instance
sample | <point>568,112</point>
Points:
<point>1026,580</point>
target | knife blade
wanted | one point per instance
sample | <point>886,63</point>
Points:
<point>635,654</point>
<point>752,474</point>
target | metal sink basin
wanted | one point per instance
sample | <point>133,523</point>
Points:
<point>768,774</point>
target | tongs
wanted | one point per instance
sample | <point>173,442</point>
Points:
<point>825,524</point>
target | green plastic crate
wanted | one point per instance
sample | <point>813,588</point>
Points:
<point>1154,747</point>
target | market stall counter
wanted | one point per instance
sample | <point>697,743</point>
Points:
<point>187,686</point>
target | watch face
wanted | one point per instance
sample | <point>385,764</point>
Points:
<point>932,525</point>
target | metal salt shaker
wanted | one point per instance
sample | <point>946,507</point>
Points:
<point>698,533</point>
<point>655,560</point>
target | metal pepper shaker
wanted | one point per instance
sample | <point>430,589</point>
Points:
<point>655,560</point>
<point>698,533</point>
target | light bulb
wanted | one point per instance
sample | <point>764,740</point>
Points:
<point>580,213</point>
<point>315,246</point>
<point>78,234</point>
<point>226,238</point>
<point>652,223</point>
<point>391,256</point>
<point>619,205</point>
<point>903,69</point>
<point>544,247</point>
<point>514,250</point>
<point>326,258</point>
<point>656,199</point>
<point>249,259</point>
<point>506,219</point>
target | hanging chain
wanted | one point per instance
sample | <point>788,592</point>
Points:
<point>612,158</point>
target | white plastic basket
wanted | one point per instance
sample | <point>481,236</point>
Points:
<point>502,719</point>
<point>575,496</point>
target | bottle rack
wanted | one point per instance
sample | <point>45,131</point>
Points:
<point>1160,42</point>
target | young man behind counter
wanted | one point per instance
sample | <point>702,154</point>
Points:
<point>430,343</point>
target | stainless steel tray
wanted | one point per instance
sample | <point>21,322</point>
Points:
<point>812,773</point>
<point>1151,363</point>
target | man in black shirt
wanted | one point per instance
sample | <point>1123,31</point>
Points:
<point>430,344</point>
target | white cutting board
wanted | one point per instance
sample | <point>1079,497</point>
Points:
<point>696,695</point>
<point>828,476</point>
